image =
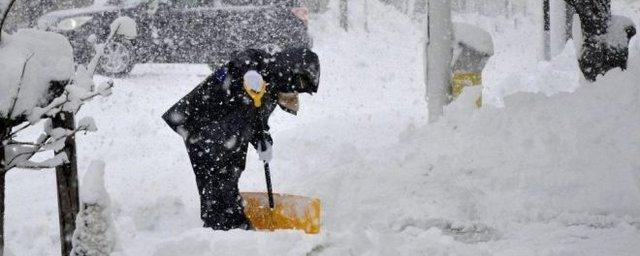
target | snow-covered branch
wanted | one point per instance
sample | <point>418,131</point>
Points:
<point>14,98</point>
<point>70,101</point>
<point>5,14</point>
<point>74,96</point>
<point>19,153</point>
<point>58,159</point>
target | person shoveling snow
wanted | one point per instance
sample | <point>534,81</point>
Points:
<point>231,109</point>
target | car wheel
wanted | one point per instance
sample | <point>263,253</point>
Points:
<point>117,60</point>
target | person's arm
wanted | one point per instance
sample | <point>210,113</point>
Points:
<point>595,15</point>
<point>262,134</point>
<point>261,139</point>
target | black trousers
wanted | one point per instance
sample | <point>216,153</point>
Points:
<point>217,166</point>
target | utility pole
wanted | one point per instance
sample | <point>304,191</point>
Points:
<point>366,16</point>
<point>546,30</point>
<point>560,26</point>
<point>344,14</point>
<point>439,54</point>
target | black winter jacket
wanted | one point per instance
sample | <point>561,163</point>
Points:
<point>221,105</point>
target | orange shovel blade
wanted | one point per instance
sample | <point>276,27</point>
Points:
<point>290,212</point>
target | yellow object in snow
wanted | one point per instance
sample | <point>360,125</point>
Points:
<point>464,79</point>
<point>290,212</point>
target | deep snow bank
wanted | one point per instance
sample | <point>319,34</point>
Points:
<point>541,157</point>
<point>546,175</point>
<point>550,166</point>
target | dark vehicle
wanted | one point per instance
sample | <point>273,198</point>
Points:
<point>182,31</point>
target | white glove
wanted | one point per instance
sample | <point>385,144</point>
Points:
<point>265,155</point>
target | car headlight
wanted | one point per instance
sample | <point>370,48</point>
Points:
<point>72,23</point>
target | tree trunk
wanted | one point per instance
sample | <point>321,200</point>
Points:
<point>4,132</point>
<point>2,192</point>
<point>546,12</point>
<point>67,183</point>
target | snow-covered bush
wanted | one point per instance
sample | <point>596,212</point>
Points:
<point>94,235</point>
<point>34,68</point>
<point>38,82</point>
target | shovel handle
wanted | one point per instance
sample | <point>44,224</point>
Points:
<point>267,174</point>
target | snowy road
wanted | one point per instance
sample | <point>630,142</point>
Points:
<point>528,180</point>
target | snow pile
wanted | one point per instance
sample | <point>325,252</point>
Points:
<point>560,74</point>
<point>94,235</point>
<point>541,157</point>
<point>473,37</point>
<point>547,168</point>
<point>44,56</point>
<point>93,188</point>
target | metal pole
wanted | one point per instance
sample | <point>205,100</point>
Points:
<point>558,34</point>
<point>438,57</point>
<point>344,14</point>
<point>546,30</point>
<point>267,174</point>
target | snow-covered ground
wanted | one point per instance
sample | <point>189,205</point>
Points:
<point>546,175</point>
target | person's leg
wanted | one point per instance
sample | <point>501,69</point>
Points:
<point>218,166</point>
<point>227,205</point>
<point>202,164</point>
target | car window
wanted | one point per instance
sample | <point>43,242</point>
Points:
<point>188,3</point>
<point>256,2</point>
<point>133,2</point>
<point>284,2</point>
<point>241,2</point>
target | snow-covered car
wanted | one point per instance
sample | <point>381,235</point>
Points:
<point>182,31</point>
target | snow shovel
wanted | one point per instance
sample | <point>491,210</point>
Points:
<point>281,211</point>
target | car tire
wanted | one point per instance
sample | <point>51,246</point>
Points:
<point>118,59</point>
